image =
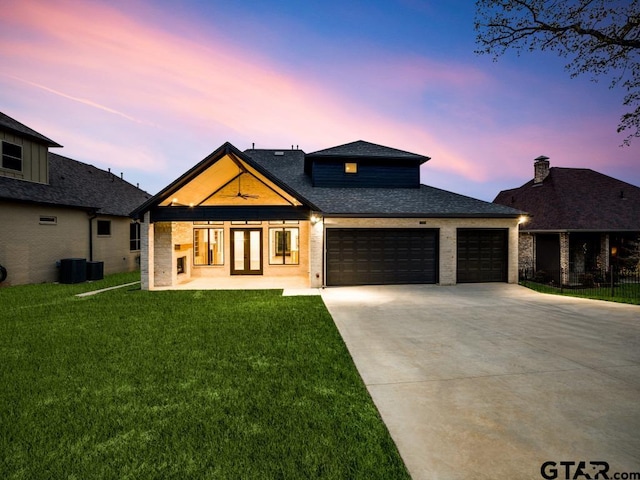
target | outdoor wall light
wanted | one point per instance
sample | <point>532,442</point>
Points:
<point>314,219</point>
<point>522,219</point>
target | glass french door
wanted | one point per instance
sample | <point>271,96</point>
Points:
<point>246,251</point>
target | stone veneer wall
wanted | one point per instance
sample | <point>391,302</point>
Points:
<point>163,255</point>
<point>526,251</point>
<point>564,258</point>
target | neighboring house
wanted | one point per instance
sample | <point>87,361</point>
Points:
<point>580,222</point>
<point>54,208</point>
<point>349,215</point>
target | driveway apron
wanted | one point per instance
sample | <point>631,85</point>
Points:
<point>490,381</point>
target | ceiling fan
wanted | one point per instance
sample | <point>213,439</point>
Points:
<point>244,196</point>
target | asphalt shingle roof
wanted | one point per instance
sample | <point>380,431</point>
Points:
<point>14,126</point>
<point>76,184</point>
<point>576,199</point>
<point>424,201</point>
<point>360,148</point>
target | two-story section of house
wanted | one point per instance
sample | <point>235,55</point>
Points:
<point>355,214</point>
<point>54,208</point>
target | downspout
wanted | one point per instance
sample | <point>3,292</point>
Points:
<point>93,215</point>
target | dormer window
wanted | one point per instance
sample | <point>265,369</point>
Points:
<point>350,167</point>
<point>11,156</point>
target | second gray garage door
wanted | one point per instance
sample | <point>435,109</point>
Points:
<point>381,256</point>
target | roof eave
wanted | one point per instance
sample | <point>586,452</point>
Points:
<point>419,215</point>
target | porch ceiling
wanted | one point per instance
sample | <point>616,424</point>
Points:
<point>229,181</point>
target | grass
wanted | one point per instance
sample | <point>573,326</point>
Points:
<point>179,385</point>
<point>623,293</point>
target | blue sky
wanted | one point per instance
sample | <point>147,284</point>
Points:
<point>149,88</point>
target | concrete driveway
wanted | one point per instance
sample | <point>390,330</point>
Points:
<point>493,380</point>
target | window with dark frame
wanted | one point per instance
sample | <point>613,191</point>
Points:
<point>104,228</point>
<point>134,236</point>
<point>11,156</point>
<point>350,167</point>
<point>284,246</point>
<point>208,246</point>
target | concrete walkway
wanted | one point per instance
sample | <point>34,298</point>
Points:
<point>489,381</point>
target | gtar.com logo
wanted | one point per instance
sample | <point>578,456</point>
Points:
<point>594,470</point>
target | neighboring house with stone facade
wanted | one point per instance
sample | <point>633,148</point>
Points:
<point>54,208</point>
<point>354,214</point>
<point>581,222</point>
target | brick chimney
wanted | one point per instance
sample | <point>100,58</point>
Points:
<point>540,169</point>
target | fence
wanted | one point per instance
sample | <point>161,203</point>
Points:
<point>605,284</point>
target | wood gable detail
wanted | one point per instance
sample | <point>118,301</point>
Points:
<point>227,185</point>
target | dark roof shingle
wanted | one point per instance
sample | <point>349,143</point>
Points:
<point>576,199</point>
<point>15,127</point>
<point>79,185</point>
<point>424,201</point>
<point>360,148</point>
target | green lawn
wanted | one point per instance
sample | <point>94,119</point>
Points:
<point>179,385</point>
<point>622,293</point>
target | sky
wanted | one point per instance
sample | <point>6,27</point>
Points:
<point>148,88</point>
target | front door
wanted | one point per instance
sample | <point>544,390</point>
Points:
<point>246,252</point>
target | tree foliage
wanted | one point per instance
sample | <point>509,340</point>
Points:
<point>598,37</point>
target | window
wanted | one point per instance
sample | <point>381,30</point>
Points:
<point>284,246</point>
<point>208,246</point>
<point>11,156</point>
<point>134,236</point>
<point>350,167</point>
<point>104,228</point>
<point>48,220</point>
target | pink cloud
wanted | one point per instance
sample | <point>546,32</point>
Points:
<point>114,61</point>
<point>149,90</point>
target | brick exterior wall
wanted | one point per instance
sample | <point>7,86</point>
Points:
<point>147,259</point>
<point>448,237</point>
<point>30,250</point>
<point>163,255</point>
<point>164,242</point>
<point>316,247</point>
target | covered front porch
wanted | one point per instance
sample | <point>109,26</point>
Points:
<point>227,223</point>
<point>256,254</point>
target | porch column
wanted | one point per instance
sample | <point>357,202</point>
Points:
<point>603,257</point>
<point>163,255</point>
<point>564,258</point>
<point>512,275</point>
<point>316,253</point>
<point>146,253</point>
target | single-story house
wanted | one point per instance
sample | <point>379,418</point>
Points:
<point>580,222</point>
<point>349,215</point>
<point>53,208</point>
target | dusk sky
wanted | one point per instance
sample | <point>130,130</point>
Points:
<point>151,87</point>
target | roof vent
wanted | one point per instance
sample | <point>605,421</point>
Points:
<point>278,154</point>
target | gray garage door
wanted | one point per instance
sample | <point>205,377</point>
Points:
<point>381,256</point>
<point>482,255</point>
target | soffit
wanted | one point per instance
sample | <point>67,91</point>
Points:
<point>229,181</point>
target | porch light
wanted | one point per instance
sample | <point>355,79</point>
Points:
<point>614,251</point>
<point>522,219</point>
<point>314,219</point>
